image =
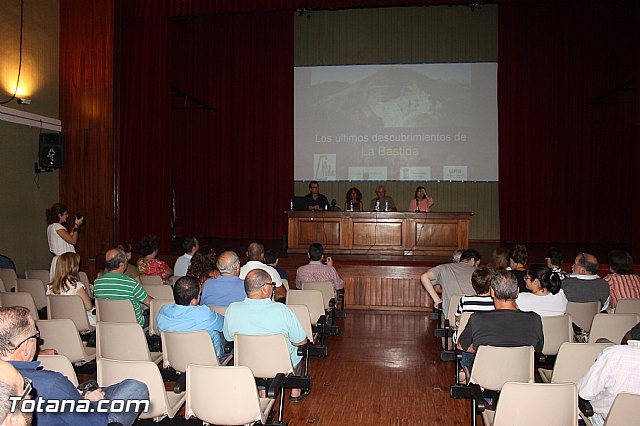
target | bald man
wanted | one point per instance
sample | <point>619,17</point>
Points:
<point>228,287</point>
<point>584,285</point>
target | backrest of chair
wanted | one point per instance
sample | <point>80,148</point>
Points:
<point>20,299</point>
<point>84,278</point>
<point>574,360</point>
<point>285,282</point>
<point>159,291</point>
<point>61,364</point>
<point>494,366</point>
<point>533,404</point>
<point>173,279</point>
<point>556,330</point>
<point>628,306</point>
<point>624,410</point>
<point>266,355</point>
<point>464,319</point>
<point>9,278</point>
<point>62,335</point>
<point>582,313</point>
<point>38,274</point>
<point>115,311</point>
<point>222,395</point>
<point>612,326</point>
<point>123,341</point>
<point>2,289</point>
<point>71,307</point>
<point>311,298</point>
<point>151,280</point>
<point>179,349</point>
<point>36,288</point>
<point>218,309</point>
<point>324,287</point>
<point>454,301</point>
<point>156,305</point>
<point>302,313</point>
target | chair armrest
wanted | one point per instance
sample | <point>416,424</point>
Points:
<point>181,384</point>
<point>472,391</point>
<point>303,350</point>
<point>228,347</point>
<point>585,407</point>
<point>322,320</point>
<point>332,303</point>
<point>276,385</point>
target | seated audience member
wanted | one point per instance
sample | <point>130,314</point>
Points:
<point>189,247</point>
<point>481,301</point>
<point>382,202</point>
<point>499,259</point>
<point>228,287</point>
<point>115,285</point>
<point>18,346</point>
<point>255,253</point>
<point>272,258</point>
<point>12,384</point>
<point>546,298</point>
<point>188,315</point>
<point>66,282</point>
<point>623,283</point>
<point>616,370</point>
<point>203,265</point>
<point>131,270</point>
<point>421,202</point>
<point>517,261</point>
<point>148,264</point>
<point>554,260</point>
<point>353,200</point>
<point>314,199</point>
<point>583,285</point>
<point>258,315</point>
<point>506,326</point>
<point>452,278</point>
<point>316,271</point>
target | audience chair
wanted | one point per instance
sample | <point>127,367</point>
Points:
<point>534,404</point>
<point>228,396</point>
<point>154,309</point>
<point>447,329</point>
<point>159,292</point>
<point>328,296</point>
<point>20,299</point>
<point>302,313</point>
<point>61,364</point>
<point>464,319</point>
<point>84,278</point>
<point>313,300</point>
<point>162,403</point>
<point>218,309</point>
<point>624,410</point>
<point>38,274</point>
<point>285,282</point>
<point>612,326</point>
<point>173,279</point>
<point>582,314</point>
<point>115,311</point>
<point>573,362</point>
<point>2,289</point>
<point>151,280</point>
<point>71,307</point>
<point>191,347</point>
<point>124,341</point>
<point>9,278</point>
<point>62,335</point>
<point>556,330</point>
<point>36,288</point>
<point>628,306</point>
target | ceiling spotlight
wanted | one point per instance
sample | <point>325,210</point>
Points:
<point>24,101</point>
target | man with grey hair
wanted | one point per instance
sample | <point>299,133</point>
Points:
<point>382,202</point>
<point>228,287</point>
<point>506,326</point>
<point>584,285</point>
<point>255,253</point>
<point>13,385</point>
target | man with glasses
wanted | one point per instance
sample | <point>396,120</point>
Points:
<point>315,200</point>
<point>12,386</point>
<point>18,344</point>
<point>584,285</point>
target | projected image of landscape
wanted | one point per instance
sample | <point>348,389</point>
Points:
<point>396,122</point>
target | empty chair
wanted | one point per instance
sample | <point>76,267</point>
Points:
<point>159,291</point>
<point>628,306</point>
<point>612,326</point>
<point>115,311</point>
<point>2,289</point>
<point>582,313</point>
<point>313,300</point>
<point>225,395</point>
<point>62,335</point>
<point>302,313</point>
<point>9,278</point>
<point>59,363</point>
<point>573,362</point>
<point>557,330</point>
<point>36,288</point>
<point>20,299</point>
<point>219,309</point>
<point>624,410</point>
<point>156,305</point>
<point>71,307</point>
<point>162,403</point>
<point>151,280</point>
<point>327,290</point>
<point>191,347</point>
<point>123,341</point>
<point>533,404</point>
<point>38,274</point>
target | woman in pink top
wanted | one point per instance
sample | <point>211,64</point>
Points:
<point>421,201</point>
<point>149,265</point>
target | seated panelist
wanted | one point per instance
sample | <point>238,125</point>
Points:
<point>421,202</point>
<point>382,202</point>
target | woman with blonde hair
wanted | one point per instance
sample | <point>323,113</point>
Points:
<point>67,283</point>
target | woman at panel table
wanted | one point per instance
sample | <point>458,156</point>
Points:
<point>421,201</point>
<point>353,200</point>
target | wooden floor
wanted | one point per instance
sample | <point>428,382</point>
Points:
<point>384,368</point>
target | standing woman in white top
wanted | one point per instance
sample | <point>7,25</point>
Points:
<point>546,297</point>
<point>60,240</point>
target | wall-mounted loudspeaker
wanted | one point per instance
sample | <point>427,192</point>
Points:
<point>51,151</point>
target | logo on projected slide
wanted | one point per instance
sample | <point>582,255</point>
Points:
<point>454,172</point>
<point>324,166</point>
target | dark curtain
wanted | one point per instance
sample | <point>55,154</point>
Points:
<point>233,167</point>
<point>567,164</point>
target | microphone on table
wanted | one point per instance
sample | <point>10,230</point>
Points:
<point>333,204</point>
<point>417,205</point>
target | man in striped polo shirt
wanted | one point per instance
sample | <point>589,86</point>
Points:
<point>115,285</point>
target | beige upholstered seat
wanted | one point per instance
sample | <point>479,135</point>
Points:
<point>159,291</point>
<point>124,341</point>
<point>324,287</point>
<point>534,404</point>
<point>219,309</point>
<point>183,348</point>
<point>285,283</point>
<point>612,326</point>
<point>84,278</point>
<point>628,306</point>
<point>494,366</point>
<point>36,288</point>
<point>173,279</point>
<point>71,307</point>
<point>59,363</point>
<point>582,313</point>
<point>557,330</point>
<point>266,355</point>
<point>115,311</point>
<point>62,335</point>
<point>38,274</point>
<point>302,313</point>
<point>573,362</point>
<point>154,309</point>
<point>8,277</point>
<point>151,280</point>
<point>2,289</point>
<point>624,410</point>
<point>225,395</point>
<point>20,299</point>
<point>163,403</point>
<point>312,299</point>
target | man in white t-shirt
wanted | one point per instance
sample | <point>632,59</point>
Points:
<point>190,246</point>
<point>255,253</point>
